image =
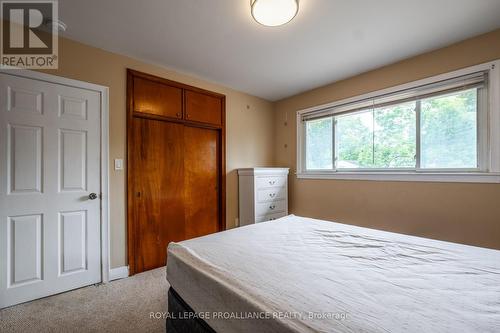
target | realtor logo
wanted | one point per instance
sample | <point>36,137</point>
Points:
<point>29,39</point>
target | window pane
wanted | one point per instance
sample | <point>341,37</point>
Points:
<point>449,131</point>
<point>395,144</point>
<point>354,140</point>
<point>380,138</point>
<point>319,144</point>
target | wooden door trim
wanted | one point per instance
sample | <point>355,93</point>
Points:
<point>131,245</point>
<point>180,121</point>
<point>131,225</point>
<point>172,83</point>
<point>222,222</point>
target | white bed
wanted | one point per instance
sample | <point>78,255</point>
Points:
<point>349,279</point>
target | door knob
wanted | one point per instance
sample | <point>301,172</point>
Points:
<point>92,196</point>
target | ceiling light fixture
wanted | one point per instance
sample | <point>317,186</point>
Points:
<point>273,13</point>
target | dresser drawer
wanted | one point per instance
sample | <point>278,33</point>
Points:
<point>265,182</point>
<point>271,194</point>
<point>270,217</point>
<point>272,207</point>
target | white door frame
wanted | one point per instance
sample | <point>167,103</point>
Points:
<point>104,94</point>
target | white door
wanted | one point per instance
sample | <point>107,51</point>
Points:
<point>49,165</point>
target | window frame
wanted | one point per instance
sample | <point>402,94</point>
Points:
<point>488,136</point>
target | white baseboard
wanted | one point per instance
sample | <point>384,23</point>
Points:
<point>118,273</point>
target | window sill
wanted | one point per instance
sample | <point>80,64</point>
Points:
<point>406,176</point>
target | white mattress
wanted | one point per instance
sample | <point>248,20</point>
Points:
<point>306,275</point>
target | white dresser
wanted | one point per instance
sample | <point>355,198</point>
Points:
<point>263,194</point>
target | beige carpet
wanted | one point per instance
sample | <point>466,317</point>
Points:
<point>119,306</point>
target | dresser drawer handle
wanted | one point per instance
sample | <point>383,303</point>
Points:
<point>272,182</point>
<point>272,207</point>
<point>272,195</point>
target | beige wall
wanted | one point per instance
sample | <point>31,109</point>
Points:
<point>250,132</point>
<point>467,213</point>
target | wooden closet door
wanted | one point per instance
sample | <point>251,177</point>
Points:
<point>201,181</point>
<point>157,151</point>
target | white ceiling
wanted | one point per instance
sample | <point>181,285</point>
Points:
<point>329,39</point>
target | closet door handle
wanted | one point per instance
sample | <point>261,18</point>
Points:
<point>272,195</point>
<point>272,207</point>
<point>272,182</point>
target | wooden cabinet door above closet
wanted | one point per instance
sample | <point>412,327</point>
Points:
<point>203,108</point>
<point>156,98</point>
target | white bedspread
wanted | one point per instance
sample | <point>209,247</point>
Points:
<point>306,275</point>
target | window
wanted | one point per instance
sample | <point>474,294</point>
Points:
<point>437,127</point>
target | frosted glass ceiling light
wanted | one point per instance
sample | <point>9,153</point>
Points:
<point>273,13</point>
